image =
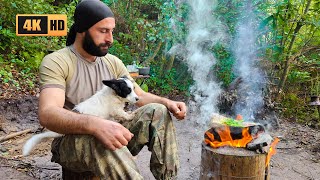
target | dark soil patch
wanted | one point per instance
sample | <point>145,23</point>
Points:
<point>20,112</point>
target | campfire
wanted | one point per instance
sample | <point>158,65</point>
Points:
<point>249,138</point>
<point>228,136</point>
<point>237,133</point>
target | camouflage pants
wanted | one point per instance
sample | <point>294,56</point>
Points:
<point>152,126</point>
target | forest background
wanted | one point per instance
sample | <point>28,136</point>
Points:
<point>288,41</point>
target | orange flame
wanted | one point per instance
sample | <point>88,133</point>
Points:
<point>226,139</point>
<point>272,150</point>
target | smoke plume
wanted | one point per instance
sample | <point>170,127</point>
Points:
<point>250,97</point>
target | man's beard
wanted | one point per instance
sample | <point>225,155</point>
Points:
<point>90,47</point>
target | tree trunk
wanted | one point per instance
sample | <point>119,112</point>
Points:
<point>287,59</point>
<point>230,163</point>
<point>170,64</point>
<point>147,61</point>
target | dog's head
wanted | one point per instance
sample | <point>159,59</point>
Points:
<point>124,88</point>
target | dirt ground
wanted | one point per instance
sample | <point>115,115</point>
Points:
<point>298,152</point>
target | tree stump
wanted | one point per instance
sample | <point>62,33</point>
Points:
<point>229,163</point>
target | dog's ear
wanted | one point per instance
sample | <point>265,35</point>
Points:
<point>119,86</point>
<point>113,84</point>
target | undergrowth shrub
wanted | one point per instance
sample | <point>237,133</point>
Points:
<point>296,109</point>
<point>20,56</point>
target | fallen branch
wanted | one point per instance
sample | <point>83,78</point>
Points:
<point>5,166</point>
<point>287,147</point>
<point>50,168</point>
<point>308,177</point>
<point>6,137</point>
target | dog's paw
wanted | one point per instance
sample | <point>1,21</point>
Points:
<point>124,117</point>
<point>130,116</point>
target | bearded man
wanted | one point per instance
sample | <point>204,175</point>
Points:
<point>101,146</point>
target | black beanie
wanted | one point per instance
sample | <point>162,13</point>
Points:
<point>87,14</point>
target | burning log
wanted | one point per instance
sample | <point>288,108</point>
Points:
<point>224,155</point>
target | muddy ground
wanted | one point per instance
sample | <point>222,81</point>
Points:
<point>298,153</point>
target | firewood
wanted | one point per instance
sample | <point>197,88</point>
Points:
<point>9,136</point>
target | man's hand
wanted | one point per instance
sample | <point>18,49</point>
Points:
<point>112,134</point>
<point>178,109</point>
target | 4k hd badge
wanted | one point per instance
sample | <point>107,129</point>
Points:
<point>41,25</point>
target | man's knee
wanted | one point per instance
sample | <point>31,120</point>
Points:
<point>158,112</point>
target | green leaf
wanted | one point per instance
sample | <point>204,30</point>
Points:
<point>233,122</point>
<point>145,87</point>
<point>14,5</point>
<point>264,23</point>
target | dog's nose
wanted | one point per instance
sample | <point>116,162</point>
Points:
<point>137,99</point>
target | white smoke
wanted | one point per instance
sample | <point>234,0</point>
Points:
<point>247,65</point>
<point>204,31</point>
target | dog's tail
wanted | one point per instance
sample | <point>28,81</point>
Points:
<point>36,139</point>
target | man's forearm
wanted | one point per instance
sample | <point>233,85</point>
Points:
<point>65,122</point>
<point>178,109</point>
<point>147,98</point>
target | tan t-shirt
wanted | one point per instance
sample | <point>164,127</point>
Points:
<point>68,70</point>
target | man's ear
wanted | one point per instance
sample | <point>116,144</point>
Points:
<point>82,35</point>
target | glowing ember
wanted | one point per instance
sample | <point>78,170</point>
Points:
<point>239,117</point>
<point>225,138</point>
<point>272,150</point>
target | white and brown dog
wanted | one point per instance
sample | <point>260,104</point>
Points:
<point>108,103</point>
